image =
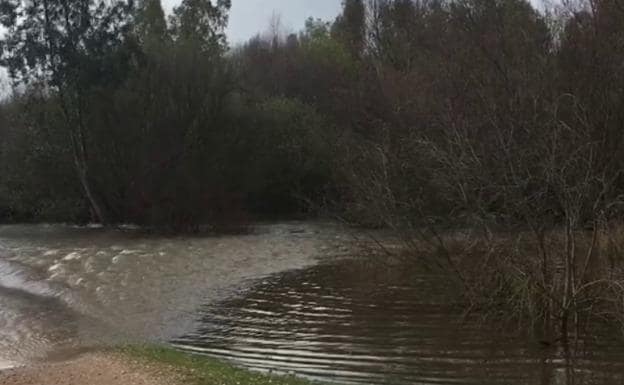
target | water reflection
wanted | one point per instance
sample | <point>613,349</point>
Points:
<point>354,322</point>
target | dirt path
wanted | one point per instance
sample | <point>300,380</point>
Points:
<point>92,369</point>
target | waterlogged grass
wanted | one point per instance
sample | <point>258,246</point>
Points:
<point>200,370</point>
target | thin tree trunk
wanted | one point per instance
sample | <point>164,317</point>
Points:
<point>95,205</point>
<point>80,162</point>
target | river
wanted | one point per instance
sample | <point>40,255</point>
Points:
<point>286,298</point>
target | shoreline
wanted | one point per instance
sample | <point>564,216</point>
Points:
<point>138,365</point>
<point>100,368</point>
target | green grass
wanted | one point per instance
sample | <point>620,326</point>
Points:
<point>200,370</point>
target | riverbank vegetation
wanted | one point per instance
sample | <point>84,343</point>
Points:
<point>487,133</point>
<point>199,370</point>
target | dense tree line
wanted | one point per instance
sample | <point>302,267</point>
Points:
<point>485,119</point>
<point>121,115</point>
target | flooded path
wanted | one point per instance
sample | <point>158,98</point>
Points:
<point>287,298</point>
<point>64,289</point>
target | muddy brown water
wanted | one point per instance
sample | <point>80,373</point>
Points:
<point>286,298</point>
<point>360,322</point>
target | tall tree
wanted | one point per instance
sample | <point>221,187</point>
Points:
<point>63,45</point>
<point>151,25</point>
<point>350,26</point>
<point>202,23</point>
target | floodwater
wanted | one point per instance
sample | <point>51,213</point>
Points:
<point>286,298</point>
<point>64,289</point>
<point>365,322</point>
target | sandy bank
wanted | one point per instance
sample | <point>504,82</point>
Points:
<point>92,369</point>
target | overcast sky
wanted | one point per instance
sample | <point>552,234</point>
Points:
<point>248,17</point>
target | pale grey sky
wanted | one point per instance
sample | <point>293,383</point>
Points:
<point>248,17</point>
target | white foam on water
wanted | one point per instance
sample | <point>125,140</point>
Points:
<point>89,266</point>
<point>72,257</point>
<point>129,226</point>
<point>12,277</point>
<point>5,365</point>
<point>54,267</point>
